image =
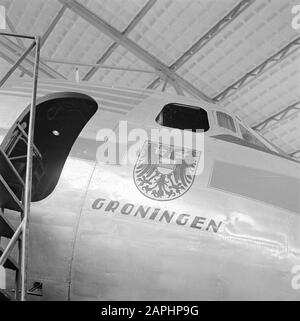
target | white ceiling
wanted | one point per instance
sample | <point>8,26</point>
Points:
<point>166,29</point>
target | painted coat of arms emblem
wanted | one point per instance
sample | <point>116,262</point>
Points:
<point>164,172</point>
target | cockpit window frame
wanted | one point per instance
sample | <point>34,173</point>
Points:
<point>180,105</point>
<point>235,131</point>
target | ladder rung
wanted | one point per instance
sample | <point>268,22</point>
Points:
<point>10,262</point>
<point>8,198</point>
<point>5,296</point>
<point>8,168</point>
<point>17,157</point>
<point>26,136</point>
<point>6,229</point>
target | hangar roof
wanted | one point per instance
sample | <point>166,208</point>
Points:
<point>243,53</point>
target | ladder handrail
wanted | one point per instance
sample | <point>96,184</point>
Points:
<point>28,178</point>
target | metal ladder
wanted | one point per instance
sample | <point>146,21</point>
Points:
<point>9,174</point>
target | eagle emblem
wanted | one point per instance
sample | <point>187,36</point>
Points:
<point>164,172</point>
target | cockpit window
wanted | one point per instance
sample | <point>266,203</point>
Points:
<point>225,121</point>
<point>250,138</point>
<point>183,117</point>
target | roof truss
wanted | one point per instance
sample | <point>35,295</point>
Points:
<point>282,115</point>
<point>131,46</point>
<point>207,37</point>
<point>16,50</point>
<point>130,27</point>
<point>258,70</point>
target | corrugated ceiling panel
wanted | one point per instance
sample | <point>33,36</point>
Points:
<point>273,91</point>
<point>286,134</point>
<point>32,16</point>
<point>172,26</point>
<point>4,66</point>
<point>115,12</point>
<point>75,39</point>
<point>256,34</point>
